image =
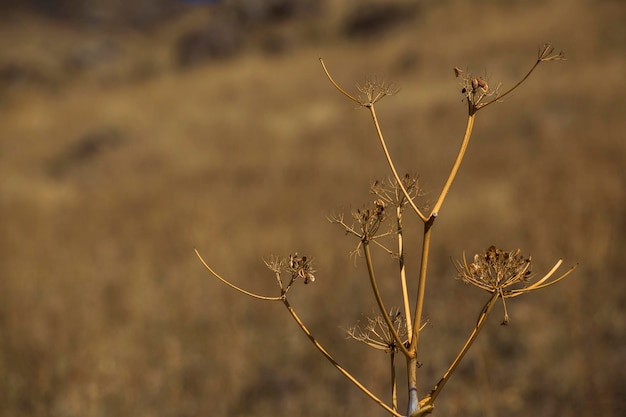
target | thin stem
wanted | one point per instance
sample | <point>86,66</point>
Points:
<point>479,325</point>
<point>341,90</point>
<point>335,363</point>
<point>394,382</point>
<point>379,300</point>
<point>545,54</point>
<point>457,163</point>
<point>405,292</point>
<point>233,286</point>
<point>391,164</point>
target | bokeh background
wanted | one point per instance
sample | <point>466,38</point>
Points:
<point>133,131</point>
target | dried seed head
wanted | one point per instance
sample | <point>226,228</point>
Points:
<point>483,84</point>
<point>370,218</point>
<point>495,269</point>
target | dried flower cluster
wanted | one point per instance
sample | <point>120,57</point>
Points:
<point>376,332</point>
<point>495,269</point>
<point>475,89</point>
<point>374,90</point>
<point>295,266</point>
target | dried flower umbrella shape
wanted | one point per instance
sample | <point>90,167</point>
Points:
<point>501,273</point>
<point>397,331</point>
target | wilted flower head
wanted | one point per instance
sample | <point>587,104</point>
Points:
<point>301,267</point>
<point>370,218</point>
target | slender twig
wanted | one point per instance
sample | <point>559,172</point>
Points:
<point>233,286</point>
<point>545,54</point>
<point>394,382</point>
<point>457,163</point>
<point>335,363</point>
<point>405,291</point>
<point>370,106</point>
<point>381,138</point>
<point>341,90</point>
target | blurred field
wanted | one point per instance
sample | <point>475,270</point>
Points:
<point>116,161</point>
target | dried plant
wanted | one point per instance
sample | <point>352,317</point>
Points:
<point>396,330</point>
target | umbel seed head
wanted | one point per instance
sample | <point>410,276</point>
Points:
<point>495,269</point>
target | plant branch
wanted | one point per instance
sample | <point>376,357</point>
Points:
<point>233,286</point>
<point>545,54</point>
<point>370,106</point>
<point>341,90</point>
<point>394,382</point>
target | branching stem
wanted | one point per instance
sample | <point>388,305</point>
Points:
<point>336,364</point>
<point>370,106</point>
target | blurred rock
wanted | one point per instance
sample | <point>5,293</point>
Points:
<point>85,150</point>
<point>253,12</point>
<point>222,38</point>
<point>104,13</point>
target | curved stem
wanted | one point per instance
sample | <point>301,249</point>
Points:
<point>379,300</point>
<point>341,90</point>
<point>335,364</point>
<point>542,282</point>
<point>233,286</point>
<point>510,90</point>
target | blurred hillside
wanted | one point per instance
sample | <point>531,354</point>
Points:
<point>132,132</point>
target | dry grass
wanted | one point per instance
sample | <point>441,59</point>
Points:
<point>104,309</point>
